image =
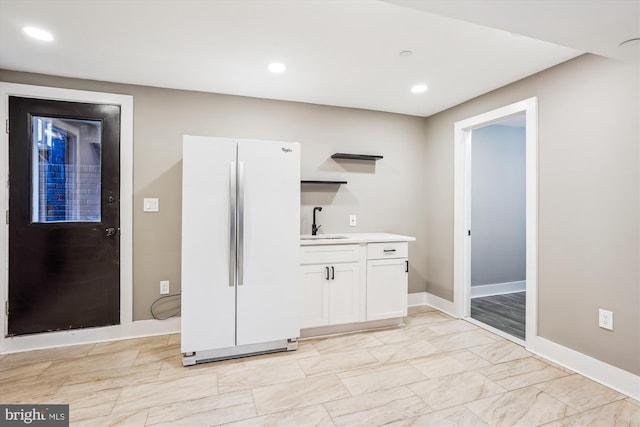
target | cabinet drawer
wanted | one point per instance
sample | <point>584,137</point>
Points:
<point>323,254</point>
<point>387,250</point>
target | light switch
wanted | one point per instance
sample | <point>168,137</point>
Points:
<point>151,205</point>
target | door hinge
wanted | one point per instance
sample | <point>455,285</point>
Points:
<point>7,214</point>
<point>6,308</point>
<point>7,126</point>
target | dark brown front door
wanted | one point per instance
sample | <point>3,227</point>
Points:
<point>64,215</point>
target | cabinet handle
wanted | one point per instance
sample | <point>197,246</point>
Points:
<point>407,269</point>
<point>388,250</point>
<point>327,268</point>
<point>333,273</point>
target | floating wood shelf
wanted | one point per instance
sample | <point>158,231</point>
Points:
<point>356,156</point>
<point>310,181</point>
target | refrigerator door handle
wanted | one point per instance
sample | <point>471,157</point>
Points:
<point>232,224</point>
<point>240,222</point>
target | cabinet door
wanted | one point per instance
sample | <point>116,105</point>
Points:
<point>314,309</point>
<point>344,293</point>
<point>387,282</point>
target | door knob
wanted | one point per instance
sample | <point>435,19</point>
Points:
<point>110,231</point>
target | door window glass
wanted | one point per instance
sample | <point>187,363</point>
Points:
<point>66,170</point>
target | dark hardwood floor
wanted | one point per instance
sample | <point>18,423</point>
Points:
<point>504,312</point>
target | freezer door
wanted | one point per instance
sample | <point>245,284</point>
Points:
<point>208,254</point>
<point>268,246</point>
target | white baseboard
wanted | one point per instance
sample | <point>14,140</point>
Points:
<point>498,289</point>
<point>608,375</point>
<point>417,299</point>
<point>152,327</point>
<point>425,298</point>
<point>141,328</point>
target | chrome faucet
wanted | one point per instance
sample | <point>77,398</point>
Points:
<point>314,227</point>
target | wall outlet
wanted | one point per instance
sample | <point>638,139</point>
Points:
<point>164,287</point>
<point>352,221</point>
<point>605,319</point>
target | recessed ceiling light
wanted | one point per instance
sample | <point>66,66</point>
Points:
<point>419,88</point>
<point>38,33</point>
<point>277,67</point>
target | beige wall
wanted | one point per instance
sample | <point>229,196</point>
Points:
<point>385,195</point>
<point>589,202</point>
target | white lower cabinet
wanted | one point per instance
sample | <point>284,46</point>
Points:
<point>353,283</point>
<point>315,297</point>
<point>331,288</point>
<point>386,288</point>
<point>387,280</point>
<point>344,293</point>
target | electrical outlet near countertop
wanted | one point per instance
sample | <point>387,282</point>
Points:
<point>605,319</point>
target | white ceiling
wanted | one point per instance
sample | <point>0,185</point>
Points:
<point>338,52</point>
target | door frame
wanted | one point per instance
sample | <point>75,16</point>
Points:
<point>462,211</point>
<point>75,336</point>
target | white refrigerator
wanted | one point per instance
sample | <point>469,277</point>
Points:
<point>240,247</point>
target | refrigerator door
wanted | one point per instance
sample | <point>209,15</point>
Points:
<point>208,253</point>
<point>268,252</point>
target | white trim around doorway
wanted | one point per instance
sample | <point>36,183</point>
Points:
<point>462,208</point>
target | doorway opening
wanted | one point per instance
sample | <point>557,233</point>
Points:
<point>495,260</point>
<point>498,238</point>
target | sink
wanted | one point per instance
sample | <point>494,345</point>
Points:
<point>321,237</point>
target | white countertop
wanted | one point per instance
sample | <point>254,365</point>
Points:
<point>346,238</point>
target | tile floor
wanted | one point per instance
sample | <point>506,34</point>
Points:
<point>435,371</point>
